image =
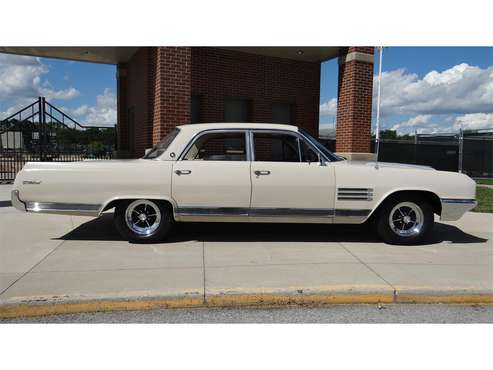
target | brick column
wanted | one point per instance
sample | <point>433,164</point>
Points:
<point>354,101</point>
<point>170,89</point>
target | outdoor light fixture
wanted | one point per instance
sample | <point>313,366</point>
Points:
<point>300,52</point>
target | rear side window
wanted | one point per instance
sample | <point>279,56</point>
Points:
<point>218,146</point>
<point>275,147</point>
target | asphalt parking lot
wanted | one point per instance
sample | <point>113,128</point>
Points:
<point>51,258</point>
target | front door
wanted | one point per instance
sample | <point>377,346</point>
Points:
<point>289,182</point>
<point>212,180</point>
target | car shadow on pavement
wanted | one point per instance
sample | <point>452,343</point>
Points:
<point>102,229</point>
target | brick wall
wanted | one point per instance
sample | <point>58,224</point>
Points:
<point>218,74</point>
<point>171,84</point>
<point>156,85</point>
<point>154,93</point>
<point>354,102</point>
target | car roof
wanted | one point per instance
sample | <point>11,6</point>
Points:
<point>198,127</point>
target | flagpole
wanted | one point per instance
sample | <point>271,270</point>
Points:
<point>377,133</point>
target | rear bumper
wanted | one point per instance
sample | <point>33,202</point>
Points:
<point>453,209</point>
<point>16,202</point>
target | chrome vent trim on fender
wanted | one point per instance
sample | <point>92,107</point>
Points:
<point>355,194</point>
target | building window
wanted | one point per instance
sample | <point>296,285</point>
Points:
<point>283,113</point>
<point>270,147</point>
<point>221,146</point>
<point>196,109</point>
<point>237,110</point>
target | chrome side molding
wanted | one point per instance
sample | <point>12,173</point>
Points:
<point>273,214</point>
<point>75,209</point>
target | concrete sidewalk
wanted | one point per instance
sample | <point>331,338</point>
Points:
<point>48,259</point>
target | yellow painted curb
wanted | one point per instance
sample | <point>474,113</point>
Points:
<point>279,299</point>
<point>44,309</point>
<point>446,298</point>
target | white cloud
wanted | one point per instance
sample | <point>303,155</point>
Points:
<point>461,89</point>
<point>101,114</point>
<point>429,124</point>
<point>441,101</point>
<point>422,123</point>
<point>474,121</point>
<point>21,80</point>
<point>329,108</point>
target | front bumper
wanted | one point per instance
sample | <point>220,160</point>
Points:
<point>16,202</point>
<point>453,209</point>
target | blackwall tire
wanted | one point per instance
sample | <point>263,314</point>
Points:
<point>143,220</point>
<point>405,220</point>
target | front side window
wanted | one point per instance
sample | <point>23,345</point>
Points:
<point>161,147</point>
<point>308,153</point>
<point>275,147</point>
<point>218,146</point>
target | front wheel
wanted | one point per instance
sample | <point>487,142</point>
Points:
<point>405,221</point>
<point>143,220</point>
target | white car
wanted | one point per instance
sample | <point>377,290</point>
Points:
<point>246,172</point>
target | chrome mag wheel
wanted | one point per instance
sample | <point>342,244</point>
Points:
<point>143,217</point>
<point>406,219</point>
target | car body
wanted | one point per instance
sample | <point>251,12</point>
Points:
<point>243,172</point>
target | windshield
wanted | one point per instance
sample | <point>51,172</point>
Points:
<point>331,156</point>
<point>161,147</point>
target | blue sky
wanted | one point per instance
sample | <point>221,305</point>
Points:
<point>429,89</point>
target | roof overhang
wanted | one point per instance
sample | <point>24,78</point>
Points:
<point>118,54</point>
<point>301,53</point>
<point>107,55</point>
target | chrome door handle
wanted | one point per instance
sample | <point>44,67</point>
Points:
<point>183,172</point>
<point>258,173</point>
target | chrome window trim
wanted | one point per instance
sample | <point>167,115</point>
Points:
<point>198,135</point>
<point>297,134</point>
<point>249,142</point>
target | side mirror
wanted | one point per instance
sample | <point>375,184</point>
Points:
<point>147,151</point>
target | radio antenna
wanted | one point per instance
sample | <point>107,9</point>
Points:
<point>377,129</point>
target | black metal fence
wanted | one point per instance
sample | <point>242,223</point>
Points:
<point>41,132</point>
<point>470,152</point>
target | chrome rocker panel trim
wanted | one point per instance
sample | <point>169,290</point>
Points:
<point>453,209</point>
<point>290,215</point>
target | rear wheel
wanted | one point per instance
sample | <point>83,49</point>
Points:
<point>405,220</point>
<point>143,220</point>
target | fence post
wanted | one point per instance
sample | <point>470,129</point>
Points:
<point>416,146</point>
<point>461,148</point>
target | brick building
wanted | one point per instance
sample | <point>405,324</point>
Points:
<point>161,87</point>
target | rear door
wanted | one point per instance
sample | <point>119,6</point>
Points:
<point>288,179</point>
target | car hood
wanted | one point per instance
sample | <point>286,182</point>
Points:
<point>385,165</point>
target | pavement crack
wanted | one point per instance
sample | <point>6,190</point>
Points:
<point>33,267</point>
<point>371,269</point>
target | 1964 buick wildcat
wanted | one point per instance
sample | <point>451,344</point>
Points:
<point>246,172</point>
